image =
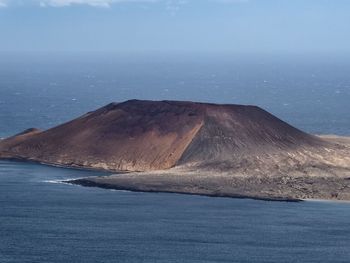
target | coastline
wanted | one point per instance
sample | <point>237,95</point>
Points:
<point>87,183</point>
<point>63,166</point>
<point>210,183</point>
<point>326,200</point>
<point>90,182</point>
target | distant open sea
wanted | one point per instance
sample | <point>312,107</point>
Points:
<point>45,221</point>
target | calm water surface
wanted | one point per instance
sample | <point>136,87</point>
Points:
<point>49,222</point>
<point>45,221</point>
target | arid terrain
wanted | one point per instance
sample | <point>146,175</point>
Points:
<point>194,148</point>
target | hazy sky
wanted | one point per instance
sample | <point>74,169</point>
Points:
<point>234,26</point>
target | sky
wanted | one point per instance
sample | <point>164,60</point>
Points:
<point>204,26</point>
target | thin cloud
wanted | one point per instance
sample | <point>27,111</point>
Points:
<point>174,5</point>
<point>94,3</point>
<point>230,1</point>
<point>171,5</point>
<point>3,3</point>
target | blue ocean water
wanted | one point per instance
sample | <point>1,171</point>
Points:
<point>45,221</point>
<point>43,90</point>
<point>50,222</point>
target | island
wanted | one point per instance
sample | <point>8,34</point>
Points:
<point>192,148</point>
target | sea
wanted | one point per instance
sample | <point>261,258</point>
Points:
<point>44,220</point>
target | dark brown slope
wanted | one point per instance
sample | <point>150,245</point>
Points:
<point>149,135</point>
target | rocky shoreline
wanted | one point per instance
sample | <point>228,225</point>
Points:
<point>90,183</point>
<point>292,187</point>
